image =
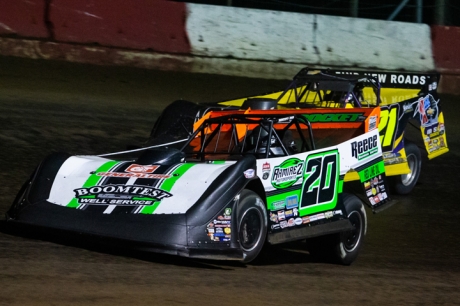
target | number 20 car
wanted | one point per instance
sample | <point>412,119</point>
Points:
<point>226,184</point>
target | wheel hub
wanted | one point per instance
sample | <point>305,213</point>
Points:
<point>250,229</point>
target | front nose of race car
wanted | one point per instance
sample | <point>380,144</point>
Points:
<point>204,230</point>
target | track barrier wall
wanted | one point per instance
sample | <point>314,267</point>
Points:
<point>160,34</point>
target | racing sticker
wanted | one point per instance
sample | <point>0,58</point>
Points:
<point>124,195</point>
<point>431,125</point>
<point>373,180</point>
<point>266,168</point>
<point>335,117</point>
<point>364,148</point>
<point>427,110</point>
<point>219,230</point>
<point>137,171</point>
<point>287,174</point>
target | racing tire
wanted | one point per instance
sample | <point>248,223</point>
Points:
<point>403,184</point>
<point>252,224</point>
<point>342,248</point>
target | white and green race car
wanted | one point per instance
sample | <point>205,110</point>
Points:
<point>240,178</point>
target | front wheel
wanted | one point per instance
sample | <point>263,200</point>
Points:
<point>404,183</point>
<point>252,224</point>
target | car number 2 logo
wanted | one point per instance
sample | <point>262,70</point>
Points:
<point>320,180</point>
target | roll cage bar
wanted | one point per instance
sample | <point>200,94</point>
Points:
<point>342,89</point>
<point>212,129</point>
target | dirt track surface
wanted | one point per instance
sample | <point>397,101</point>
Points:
<point>411,254</point>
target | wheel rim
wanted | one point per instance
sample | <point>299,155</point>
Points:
<point>408,178</point>
<point>250,229</point>
<point>351,239</point>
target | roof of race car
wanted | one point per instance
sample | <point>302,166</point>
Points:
<point>341,88</point>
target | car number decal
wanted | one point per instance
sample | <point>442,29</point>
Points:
<point>321,176</point>
<point>388,126</point>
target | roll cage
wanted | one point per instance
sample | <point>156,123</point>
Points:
<point>263,135</point>
<point>314,88</point>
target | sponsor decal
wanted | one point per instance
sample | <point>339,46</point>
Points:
<point>219,230</point>
<point>275,226</point>
<point>305,220</point>
<point>372,123</point>
<point>375,189</point>
<point>391,158</point>
<point>289,213</point>
<point>137,171</point>
<point>388,78</point>
<point>222,222</point>
<point>281,215</point>
<point>328,214</point>
<point>266,171</point>
<point>278,205</point>
<point>141,168</point>
<point>274,217</point>
<point>364,148</point>
<point>407,79</point>
<point>432,86</point>
<point>291,222</point>
<point>249,173</point>
<point>292,201</point>
<point>120,195</point>
<point>283,224</point>
<point>336,117</point>
<point>287,174</point>
<point>427,108</point>
<point>298,221</point>
<point>295,211</point>
<point>407,108</point>
<point>371,172</point>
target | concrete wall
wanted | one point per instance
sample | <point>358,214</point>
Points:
<point>219,31</point>
<point>160,34</point>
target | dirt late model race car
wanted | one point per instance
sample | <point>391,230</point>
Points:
<point>405,99</point>
<point>239,178</point>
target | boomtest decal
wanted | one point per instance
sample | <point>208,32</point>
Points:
<point>125,195</point>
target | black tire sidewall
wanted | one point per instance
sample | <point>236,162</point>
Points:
<point>397,184</point>
<point>248,201</point>
<point>352,205</point>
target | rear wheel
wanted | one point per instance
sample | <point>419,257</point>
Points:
<point>343,247</point>
<point>252,224</point>
<point>404,184</point>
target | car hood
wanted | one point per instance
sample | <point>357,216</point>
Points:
<point>149,189</point>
